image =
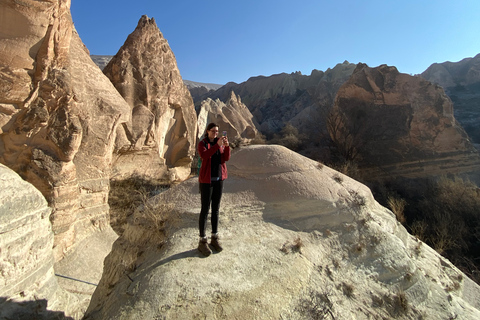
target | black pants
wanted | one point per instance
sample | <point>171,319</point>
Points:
<point>210,193</point>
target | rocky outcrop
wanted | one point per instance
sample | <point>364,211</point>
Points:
<point>27,279</point>
<point>160,138</point>
<point>399,124</point>
<point>287,98</point>
<point>300,241</point>
<point>58,121</point>
<point>59,117</point>
<point>461,81</point>
<point>232,116</point>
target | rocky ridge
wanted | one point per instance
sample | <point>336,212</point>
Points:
<point>461,81</point>
<point>283,98</point>
<point>160,138</point>
<point>301,240</point>
<point>400,124</point>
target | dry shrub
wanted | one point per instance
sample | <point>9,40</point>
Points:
<point>128,194</point>
<point>397,205</point>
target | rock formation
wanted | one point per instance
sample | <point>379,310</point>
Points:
<point>27,279</point>
<point>287,98</point>
<point>400,124</point>
<point>232,116</point>
<point>301,241</point>
<point>161,134</point>
<point>58,121</point>
<point>461,81</point>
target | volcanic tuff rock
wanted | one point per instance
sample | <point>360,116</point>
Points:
<point>300,241</point>
<point>232,116</point>
<point>59,117</point>
<point>461,81</point>
<point>161,134</point>
<point>282,98</point>
<point>399,123</point>
<point>27,278</point>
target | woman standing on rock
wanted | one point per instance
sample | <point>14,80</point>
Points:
<point>214,152</point>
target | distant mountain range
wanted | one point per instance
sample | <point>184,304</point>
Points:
<point>294,92</point>
<point>102,61</point>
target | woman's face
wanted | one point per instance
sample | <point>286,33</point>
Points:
<point>213,133</point>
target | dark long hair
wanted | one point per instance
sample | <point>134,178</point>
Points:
<point>209,127</point>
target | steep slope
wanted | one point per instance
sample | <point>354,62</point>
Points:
<point>301,240</point>
<point>400,124</point>
<point>461,81</point>
<point>282,98</point>
<point>160,139</point>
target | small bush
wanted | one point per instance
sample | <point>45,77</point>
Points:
<point>397,205</point>
<point>128,194</point>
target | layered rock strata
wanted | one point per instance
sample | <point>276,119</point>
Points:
<point>300,241</point>
<point>400,125</point>
<point>28,285</point>
<point>59,116</point>
<point>232,117</point>
<point>160,138</point>
<point>287,98</point>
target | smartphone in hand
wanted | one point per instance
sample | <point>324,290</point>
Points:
<point>224,133</point>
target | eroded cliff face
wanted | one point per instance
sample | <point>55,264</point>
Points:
<point>232,116</point>
<point>398,123</point>
<point>58,117</point>
<point>461,81</point>
<point>160,138</point>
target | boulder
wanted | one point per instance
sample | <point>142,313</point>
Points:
<point>232,116</point>
<point>300,241</point>
<point>159,141</point>
<point>28,285</point>
<point>399,124</point>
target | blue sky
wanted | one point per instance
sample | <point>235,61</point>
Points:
<point>217,41</point>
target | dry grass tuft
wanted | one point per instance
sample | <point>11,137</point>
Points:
<point>397,205</point>
<point>128,194</point>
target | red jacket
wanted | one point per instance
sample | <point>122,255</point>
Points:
<point>206,152</point>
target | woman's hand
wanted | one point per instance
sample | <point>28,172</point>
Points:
<point>225,141</point>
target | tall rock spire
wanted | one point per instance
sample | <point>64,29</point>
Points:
<point>160,138</point>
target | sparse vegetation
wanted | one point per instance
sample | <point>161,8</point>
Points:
<point>317,306</point>
<point>296,246</point>
<point>397,205</point>
<point>128,194</point>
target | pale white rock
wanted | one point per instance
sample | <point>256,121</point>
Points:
<point>300,240</point>
<point>159,141</point>
<point>231,116</point>
<point>28,285</point>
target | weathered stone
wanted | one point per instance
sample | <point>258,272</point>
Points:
<point>299,239</point>
<point>232,116</point>
<point>58,128</point>
<point>161,135</point>
<point>399,124</point>
<point>59,116</point>
<point>287,98</point>
<point>26,256</point>
<point>461,81</point>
